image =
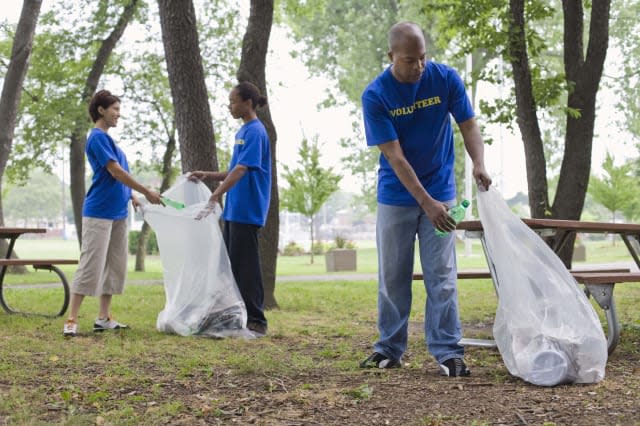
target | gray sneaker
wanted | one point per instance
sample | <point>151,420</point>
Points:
<point>107,324</point>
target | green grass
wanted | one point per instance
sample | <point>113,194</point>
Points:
<point>142,376</point>
<point>128,378</point>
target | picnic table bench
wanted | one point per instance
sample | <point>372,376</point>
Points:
<point>12,234</point>
<point>599,283</point>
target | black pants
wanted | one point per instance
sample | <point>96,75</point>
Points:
<point>241,240</point>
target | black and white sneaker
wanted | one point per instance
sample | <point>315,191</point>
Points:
<point>377,360</point>
<point>454,367</point>
<point>101,325</point>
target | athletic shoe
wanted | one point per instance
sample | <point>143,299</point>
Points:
<point>70,328</point>
<point>454,367</point>
<point>259,329</point>
<point>107,324</point>
<point>377,360</point>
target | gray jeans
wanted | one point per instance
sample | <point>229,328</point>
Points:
<point>396,231</point>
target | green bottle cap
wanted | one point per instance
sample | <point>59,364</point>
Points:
<point>465,203</point>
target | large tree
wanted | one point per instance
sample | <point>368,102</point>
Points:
<point>50,110</point>
<point>151,122</point>
<point>583,70</point>
<point>12,85</point>
<point>255,46</point>
<point>188,88</point>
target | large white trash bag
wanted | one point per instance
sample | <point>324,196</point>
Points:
<point>201,292</point>
<point>545,328</point>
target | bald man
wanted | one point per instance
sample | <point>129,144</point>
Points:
<point>407,115</point>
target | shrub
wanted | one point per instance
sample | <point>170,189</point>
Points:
<point>152,243</point>
<point>319,247</point>
<point>293,249</point>
<point>350,245</point>
<point>342,243</point>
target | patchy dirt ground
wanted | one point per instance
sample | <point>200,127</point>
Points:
<point>413,395</point>
<point>417,395</point>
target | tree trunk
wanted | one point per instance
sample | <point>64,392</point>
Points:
<point>12,87</point>
<point>141,250</point>
<point>527,113</point>
<point>311,237</point>
<point>78,137</point>
<point>253,60</point>
<point>583,75</point>
<point>188,89</point>
<point>167,177</point>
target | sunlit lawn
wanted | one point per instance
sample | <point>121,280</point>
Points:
<point>137,377</point>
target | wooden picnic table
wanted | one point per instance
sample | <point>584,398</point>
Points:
<point>598,283</point>
<point>12,234</point>
<point>563,229</point>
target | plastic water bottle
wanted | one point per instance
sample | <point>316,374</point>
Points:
<point>457,213</point>
<point>172,203</point>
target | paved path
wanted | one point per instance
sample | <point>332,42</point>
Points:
<point>281,279</point>
<point>328,277</point>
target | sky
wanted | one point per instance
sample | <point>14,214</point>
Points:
<point>294,114</point>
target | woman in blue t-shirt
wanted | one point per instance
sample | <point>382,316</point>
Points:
<point>103,257</point>
<point>248,187</point>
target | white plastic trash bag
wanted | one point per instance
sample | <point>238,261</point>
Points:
<point>201,292</point>
<point>545,328</point>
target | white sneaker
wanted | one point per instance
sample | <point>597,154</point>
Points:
<point>107,324</point>
<point>70,328</point>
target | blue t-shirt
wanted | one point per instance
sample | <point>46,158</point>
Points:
<point>248,200</point>
<point>107,198</point>
<point>418,116</point>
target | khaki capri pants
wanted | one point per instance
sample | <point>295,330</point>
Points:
<point>103,259</point>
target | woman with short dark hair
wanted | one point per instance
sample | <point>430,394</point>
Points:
<point>103,258</point>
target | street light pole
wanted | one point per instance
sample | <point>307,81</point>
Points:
<point>64,200</point>
<point>468,190</point>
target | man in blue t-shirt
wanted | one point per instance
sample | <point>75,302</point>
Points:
<point>407,115</point>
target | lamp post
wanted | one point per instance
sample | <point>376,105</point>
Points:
<point>64,200</point>
<point>468,190</point>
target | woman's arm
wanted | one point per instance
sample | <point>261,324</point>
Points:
<point>122,176</point>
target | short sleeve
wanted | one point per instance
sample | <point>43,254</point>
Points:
<point>100,148</point>
<point>378,125</point>
<point>250,150</point>
<point>459,104</point>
